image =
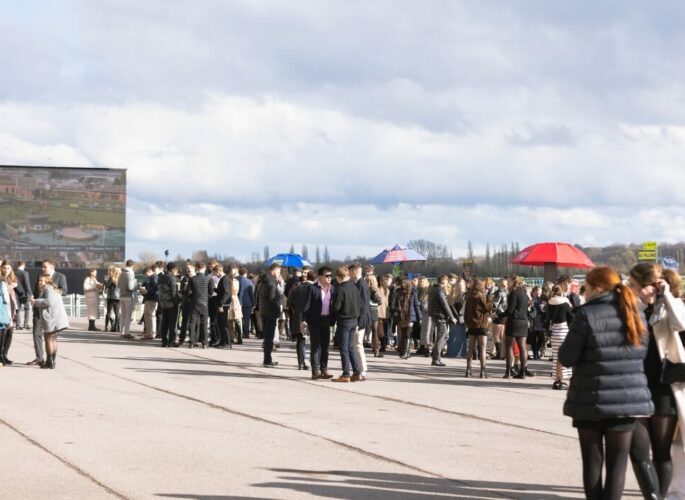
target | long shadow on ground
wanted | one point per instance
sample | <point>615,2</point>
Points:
<point>354,485</point>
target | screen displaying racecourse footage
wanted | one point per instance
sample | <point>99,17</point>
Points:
<point>75,216</point>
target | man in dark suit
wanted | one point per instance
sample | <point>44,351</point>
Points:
<point>296,304</point>
<point>223,301</point>
<point>169,300</point>
<point>316,315</point>
<point>59,282</point>
<point>247,300</point>
<point>25,294</point>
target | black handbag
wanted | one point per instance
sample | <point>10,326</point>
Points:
<point>672,372</point>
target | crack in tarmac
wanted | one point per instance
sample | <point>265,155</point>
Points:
<point>63,460</point>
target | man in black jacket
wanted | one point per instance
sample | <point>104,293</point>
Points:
<point>200,287</point>
<point>186,303</point>
<point>169,300</point>
<point>24,294</point>
<point>440,313</point>
<point>297,301</point>
<point>317,317</point>
<point>270,300</point>
<point>223,300</point>
<point>346,308</point>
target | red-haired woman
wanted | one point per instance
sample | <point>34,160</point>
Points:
<point>606,346</point>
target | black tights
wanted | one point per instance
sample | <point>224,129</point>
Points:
<point>523,352</point>
<point>592,444</point>
<point>655,433</point>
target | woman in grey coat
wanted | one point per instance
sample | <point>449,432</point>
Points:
<point>53,317</point>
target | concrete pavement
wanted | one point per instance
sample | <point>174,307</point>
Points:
<point>127,419</point>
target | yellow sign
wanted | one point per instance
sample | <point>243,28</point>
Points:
<point>649,246</point>
<point>646,255</point>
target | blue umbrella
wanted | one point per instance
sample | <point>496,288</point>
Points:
<point>288,260</point>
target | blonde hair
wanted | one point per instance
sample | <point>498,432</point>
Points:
<point>517,281</point>
<point>372,281</point>
<point>342,272</point>
<point>114,272</point>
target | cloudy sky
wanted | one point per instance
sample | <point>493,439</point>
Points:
<point>355,123</point>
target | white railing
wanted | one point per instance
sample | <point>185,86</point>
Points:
<point>75,306</point>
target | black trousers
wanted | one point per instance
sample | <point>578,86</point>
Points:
<point>213,323</point>
<point>269,327</point>
<point>222,324</point>
<point>320,338</point>
<point>185,320</point>
<point>168,330</point>
<point>197,323</point>
<point>158,325</point>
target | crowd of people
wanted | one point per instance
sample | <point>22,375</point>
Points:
<point>615,344</point>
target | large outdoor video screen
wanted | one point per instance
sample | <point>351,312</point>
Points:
<point>75,216</point>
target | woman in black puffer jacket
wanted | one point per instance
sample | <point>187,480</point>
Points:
<point>606,346</point>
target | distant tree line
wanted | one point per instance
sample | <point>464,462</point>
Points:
<point>496,261</point>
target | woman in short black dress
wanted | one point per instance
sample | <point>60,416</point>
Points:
<point>518,304</point>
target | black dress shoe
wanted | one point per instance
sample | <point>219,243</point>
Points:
<point>273,364</point>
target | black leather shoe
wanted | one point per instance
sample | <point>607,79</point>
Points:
<point>273,364</point>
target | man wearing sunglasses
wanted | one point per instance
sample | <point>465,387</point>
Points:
<point>317,319</point>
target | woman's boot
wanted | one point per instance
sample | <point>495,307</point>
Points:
<point>3,335</point>
<point>48,362</point>
<point>468,368</point>
<point>507,372</point>
<point>647,479</point>
<point>6,347</point>
<point>483,373</point>
<point>91,325</point>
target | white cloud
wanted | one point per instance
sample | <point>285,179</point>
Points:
<point>358,124</point>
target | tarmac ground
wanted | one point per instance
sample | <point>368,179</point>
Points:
<point>128,419</point>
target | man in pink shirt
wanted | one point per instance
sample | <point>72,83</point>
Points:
<point>316,319</point>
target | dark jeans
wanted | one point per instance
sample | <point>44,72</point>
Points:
<point>344,333</point>
<point>247,319</point>
<point>440,338</point>
<point>320,337</point>
<point>168,330</point>
<point>197,323</point>
<point>269,327</point>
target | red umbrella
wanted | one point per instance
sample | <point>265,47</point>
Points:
<point>551,256</point>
